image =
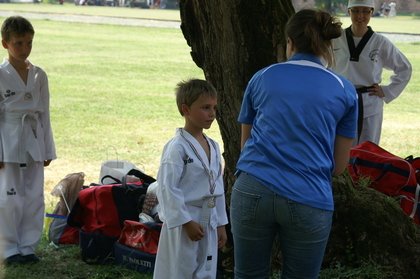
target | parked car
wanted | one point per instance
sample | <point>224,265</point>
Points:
<point>169,4</point>
<point>158,4</point>
<point>20,1</point>
<point>144,4</point>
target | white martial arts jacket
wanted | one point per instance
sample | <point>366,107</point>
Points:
<point>183,193</point>
<point>379,53</point>
<point>25,128</point>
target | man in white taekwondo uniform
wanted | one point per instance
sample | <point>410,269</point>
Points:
<point>185,193</point>
<point>361,55</point>
<point>26,141</point>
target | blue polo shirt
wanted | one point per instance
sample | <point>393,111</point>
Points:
<point>296,109</point>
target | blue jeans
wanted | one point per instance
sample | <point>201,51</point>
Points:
<point>258,214</point>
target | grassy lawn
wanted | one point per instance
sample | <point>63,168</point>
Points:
<point>112,97</point>
<point>69,8</point>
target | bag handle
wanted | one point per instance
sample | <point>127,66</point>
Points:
<point>416,202</point>
<point>383,166</point>
<point>142,176</point>
<point>116,180</point>
<point>146,178</point>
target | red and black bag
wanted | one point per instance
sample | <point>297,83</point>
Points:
<point>99,213</point>
<point>104,208</point>
<point>389,174</point>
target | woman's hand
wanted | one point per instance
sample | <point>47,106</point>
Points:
<point>376,90</point>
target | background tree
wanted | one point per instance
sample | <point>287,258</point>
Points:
<point>230,41</point>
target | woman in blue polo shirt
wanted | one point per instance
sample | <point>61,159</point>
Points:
<point>298,121</point>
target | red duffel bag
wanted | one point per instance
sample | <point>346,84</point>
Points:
<point>389,174</point>
<point>141,236</point>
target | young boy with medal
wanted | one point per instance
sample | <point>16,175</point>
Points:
<point>26,144</point>
<point>190,190</point>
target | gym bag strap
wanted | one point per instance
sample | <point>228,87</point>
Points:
<point>147,179</point>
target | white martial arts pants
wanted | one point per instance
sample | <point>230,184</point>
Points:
<point>372,128</point>
<point>21,208</point>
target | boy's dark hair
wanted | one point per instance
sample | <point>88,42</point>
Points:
<point>187,92</point>
<point>16,25</point>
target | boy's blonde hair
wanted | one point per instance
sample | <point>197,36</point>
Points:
<point>187,92</point>
<point>16,25</point>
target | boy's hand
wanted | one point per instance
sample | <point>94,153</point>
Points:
<point>221,236</point>
<point>47,163</point>
<point>194,230</point>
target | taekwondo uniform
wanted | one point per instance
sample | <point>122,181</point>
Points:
<point>365,69</point>
<point>189,188</point>
<point>26,140</point>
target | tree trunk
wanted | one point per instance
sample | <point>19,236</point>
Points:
<point>230,41</point>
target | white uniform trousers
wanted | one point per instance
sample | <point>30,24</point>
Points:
<point>372,127</point>
<point>21,208</point>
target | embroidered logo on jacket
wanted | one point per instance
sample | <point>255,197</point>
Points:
<point>187,160</point>
<point>28,96</point>
<point>11,192</point>
<point>373,55</point>
<point>8,93</point>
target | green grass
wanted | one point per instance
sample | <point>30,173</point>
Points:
<point>69,8</point>
<point>112,97</point>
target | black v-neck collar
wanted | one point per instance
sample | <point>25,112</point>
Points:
<point>355,51</point>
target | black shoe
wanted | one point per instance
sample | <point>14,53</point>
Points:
<point>15,259</point>
<point>31,258</point>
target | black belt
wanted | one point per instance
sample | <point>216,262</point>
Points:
<point>360,91</point>
<point>364,89</point>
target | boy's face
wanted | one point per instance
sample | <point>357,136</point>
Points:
<point>19,47</point>
<point>201,113</point>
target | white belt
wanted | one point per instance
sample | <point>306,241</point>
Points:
<point>206,204</point>
<point>21,118</point>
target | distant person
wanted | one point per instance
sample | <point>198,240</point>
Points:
<point>298,121</point>
<point>26,144</point>
<point>392,9</point>
<point>190,191</point>
<point>387,9</point>
<point>361,56</point>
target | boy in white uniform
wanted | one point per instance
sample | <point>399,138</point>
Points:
<point>26,145</point>
<point>361,55</point>
<point>190,191</point>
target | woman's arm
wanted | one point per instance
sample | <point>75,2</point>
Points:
<point>342,147</point>
<point>245,133</point>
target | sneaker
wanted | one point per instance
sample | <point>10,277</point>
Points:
<point>15,259</point>
<point>31,258</point>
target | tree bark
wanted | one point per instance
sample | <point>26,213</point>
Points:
<point>230,41</point>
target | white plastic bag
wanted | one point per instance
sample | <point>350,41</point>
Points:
<point>113,171</point>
